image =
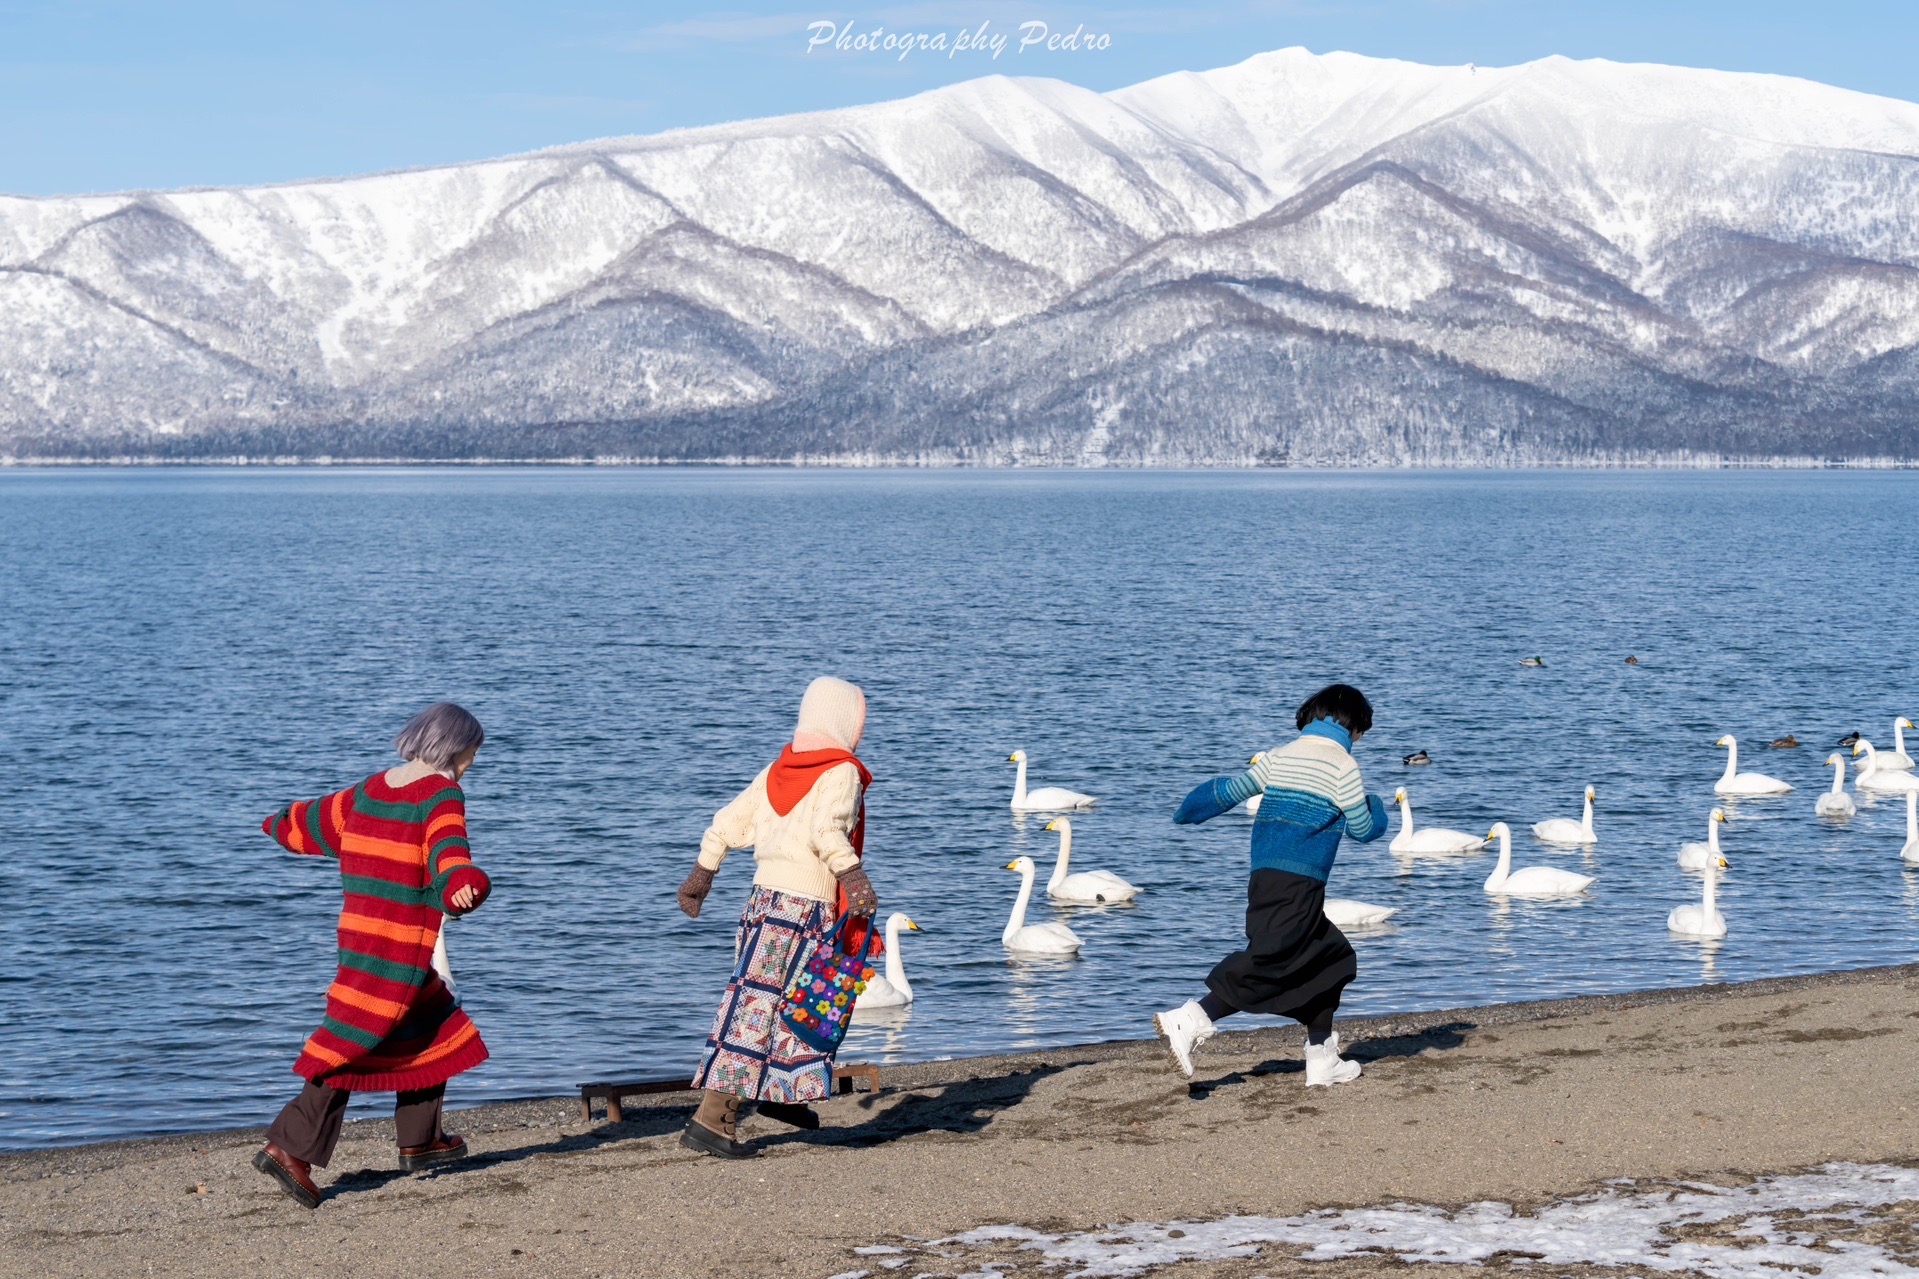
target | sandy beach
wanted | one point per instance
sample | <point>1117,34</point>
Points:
<point>1526,1104</point>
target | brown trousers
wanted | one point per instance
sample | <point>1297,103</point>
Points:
<point>309,1126</point>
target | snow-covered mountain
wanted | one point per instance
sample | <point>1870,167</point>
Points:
<point>1300,259</point>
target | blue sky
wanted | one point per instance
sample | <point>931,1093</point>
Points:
<point>109,96</point>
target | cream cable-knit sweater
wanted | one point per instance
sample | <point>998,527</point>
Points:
<point>803,852</point>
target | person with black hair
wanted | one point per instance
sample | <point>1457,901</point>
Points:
<point>1296,962</point>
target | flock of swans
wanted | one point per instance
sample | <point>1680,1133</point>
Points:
<point>1880,773</point>
<point>1888,772</point>
<point>1049,937</point>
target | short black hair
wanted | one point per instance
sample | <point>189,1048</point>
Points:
<point>1341,703</point>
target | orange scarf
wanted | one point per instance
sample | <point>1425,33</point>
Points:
<point>791,779</point>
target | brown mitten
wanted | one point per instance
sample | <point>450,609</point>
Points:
<point>860,897</point>
<point>694,891</point>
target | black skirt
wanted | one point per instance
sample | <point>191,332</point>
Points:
<point>1295,963</point>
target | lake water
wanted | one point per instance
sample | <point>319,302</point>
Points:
<point>182,652</point>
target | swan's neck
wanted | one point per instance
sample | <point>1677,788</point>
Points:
<point>895,966</point>
<point>1405,816</point>
<point>1839,777</point>
<point>1712,886</point>
<point>1018,920</point>
<point>1732,762</point>
<point>1505,866</point>
<point>1872,760</point>
<point>1065,854</point>
<point>1712,837</point>
<point>1019,784</point>
<point>1898,737</point>
<point>1912,814</point>
<point>1587,822</point>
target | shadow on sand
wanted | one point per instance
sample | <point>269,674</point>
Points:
<point>962,1108</point>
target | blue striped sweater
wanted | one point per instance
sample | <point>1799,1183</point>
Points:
<point>1313,795</point>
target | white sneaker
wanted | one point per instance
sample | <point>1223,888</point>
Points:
<point>1183,1028</point>
<point>1325,1067</point>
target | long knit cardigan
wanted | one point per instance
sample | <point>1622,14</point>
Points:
<point>391,1023</point>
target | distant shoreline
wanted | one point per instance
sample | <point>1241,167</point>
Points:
<point>833,463</point>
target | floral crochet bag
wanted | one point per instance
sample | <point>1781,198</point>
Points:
<point>819,1003</point>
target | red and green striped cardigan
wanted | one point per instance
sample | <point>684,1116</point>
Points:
<point>391,1023</point>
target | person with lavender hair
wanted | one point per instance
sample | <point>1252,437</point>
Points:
<point>393,1020</point>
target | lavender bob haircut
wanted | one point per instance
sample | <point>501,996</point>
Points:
<point>439,735</point>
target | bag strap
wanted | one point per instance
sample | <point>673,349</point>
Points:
<point>867,937</point>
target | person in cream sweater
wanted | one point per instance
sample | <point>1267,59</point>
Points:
<point>804,818</point>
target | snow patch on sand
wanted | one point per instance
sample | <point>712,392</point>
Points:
<point>1815,1222</point>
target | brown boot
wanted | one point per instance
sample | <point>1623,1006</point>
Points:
<point>715,1126</point>
<point>294,1175</point>
<point>448,1147</point>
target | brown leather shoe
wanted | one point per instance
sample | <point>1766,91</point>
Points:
<point>294,1175</point>
<point>449,1147</point>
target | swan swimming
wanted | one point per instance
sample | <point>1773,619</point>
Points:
<point>1044,798</point>
<point>1344,912</point>
<point>1049,938</point>
<point>891,990</point>
<point>1878,779</point>
<point>1531,881</point>
<point>1086,885</point>
<point>1735,782</point>
<point>1703,920</point>
<point>1695,856</point>
<point>1564,830</point>
<point>1910,850</point>
<point>1895,760</point>
<point>1835,802</point>
<point>1431,839</point>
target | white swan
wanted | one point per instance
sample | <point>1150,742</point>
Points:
<point>1910,850</point>
<point>1564,830</point>
<point>1344,912</point>
<point>1695,856</point>
<point>1878,779</point>
<point>1735,782</point>
<point>1251,806</point>
<point>1835,802</point>
<point>1703,920</point>
<point>1532,881</point>
<point>1049,938</point>
<point>1895,760</point>
<point>439,961</point>
<point>1085,885</point>
<point>1432,839</point>
<point>890,990</point>
<point>1046,798</point>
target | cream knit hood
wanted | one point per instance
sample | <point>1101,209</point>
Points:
<point>832,714</point>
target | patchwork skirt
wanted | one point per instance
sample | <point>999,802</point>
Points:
<point>750,1052</point>
<point>1296,962</point>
